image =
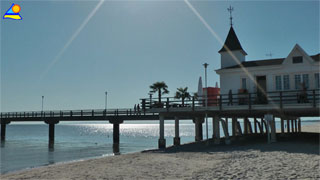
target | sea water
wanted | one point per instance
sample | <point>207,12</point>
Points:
<point>26,144</point>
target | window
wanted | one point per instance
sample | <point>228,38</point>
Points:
<point>305,78</point>
<point>297,59</point>
<point>244,83</point>
<point>297,81</point>
<point>286,82</point>
<point>316,80</point>
<point>278,83</point>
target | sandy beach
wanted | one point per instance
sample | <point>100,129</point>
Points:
<point>294,158</point>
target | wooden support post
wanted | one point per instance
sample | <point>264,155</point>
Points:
<point>198,128</point>
<point>255,125</point>
<point>295,126</point>
<point>299,125</point>
<point>259,125</point>
<point>288,126</point>
<point>262,124</point>
<point>225,130</point>
<point>216,129</point>
<point>51,135</point>
<point>271,130</point>
<point>249,126</point>
<point>51,132</point>
<point>245,125</point>
<point>234,125</point>
<point>239,131</point>
<point>227,127</point>
<point>282,125</point>
<point>292,126</point>
<point>116,135</point>
<point>3,131</point>
<point>162,140</point>
<point>116,138</point>
<point>176,139</point>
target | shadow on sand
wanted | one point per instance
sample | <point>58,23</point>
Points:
<point>307,143</point>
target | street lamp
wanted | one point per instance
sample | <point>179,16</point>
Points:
<point>42,104</point>
<point>205,75</point>
<point>105,105</point>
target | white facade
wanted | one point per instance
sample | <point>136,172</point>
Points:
<point>228,59</point>
<point>285,75</point>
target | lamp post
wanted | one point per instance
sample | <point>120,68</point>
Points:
<point>105,105</point>
<point>42,97</point>
<point>42,104</point>
<point>205,75</point>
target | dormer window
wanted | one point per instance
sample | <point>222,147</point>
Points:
<point>297,59</point>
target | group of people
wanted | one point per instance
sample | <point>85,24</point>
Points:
<point>136,109</point>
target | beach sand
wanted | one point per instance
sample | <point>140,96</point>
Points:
<point>287,159</point>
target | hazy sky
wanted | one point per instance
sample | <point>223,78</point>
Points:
<point>125,46</point>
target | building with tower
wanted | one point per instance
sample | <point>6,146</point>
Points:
<point>297,71</point>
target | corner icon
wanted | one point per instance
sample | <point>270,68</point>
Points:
<point>13,12</point>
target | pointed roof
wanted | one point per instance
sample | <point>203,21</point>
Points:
<point>232,42</point>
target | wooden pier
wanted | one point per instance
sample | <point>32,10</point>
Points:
<point>288,106</point>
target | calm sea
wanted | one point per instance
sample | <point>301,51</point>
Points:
<point>26,144</point>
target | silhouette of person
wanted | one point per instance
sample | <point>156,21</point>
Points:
<point>230,98</point>
<point>135,109</point>
<point>138,108</point>
<point>304,94</point>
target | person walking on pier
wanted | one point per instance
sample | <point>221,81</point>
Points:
<point>135,109</point>
<point>138,108</point>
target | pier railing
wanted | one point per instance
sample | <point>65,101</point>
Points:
<point>279,98</point>
<point>75,113</point>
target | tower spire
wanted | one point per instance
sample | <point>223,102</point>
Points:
<point>230,9</point>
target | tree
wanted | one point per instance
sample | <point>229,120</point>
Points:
<point>183,94</point>
<point>159,87</point>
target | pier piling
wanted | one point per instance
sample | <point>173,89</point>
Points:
<point>198,128</point>
<point>216,129</point>
<point>116,135</point>
<point>234,125</point>
<point>176,139</point>
<point>3,132</point>
<point>162,140</point>
<point>282,126</point>
<point>245,125</point>
<point>255,125</point>
<point>51,132</point>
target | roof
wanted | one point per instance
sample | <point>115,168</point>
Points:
<point>267,62</point>
<point>232,42</point>
<point>316,57</point>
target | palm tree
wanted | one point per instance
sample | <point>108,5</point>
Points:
<point>183,94</point>
<point>161,87</point>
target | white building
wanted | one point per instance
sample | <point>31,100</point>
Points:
<point>284,74</point>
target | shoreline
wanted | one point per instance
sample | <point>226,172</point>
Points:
<point>186,156</point>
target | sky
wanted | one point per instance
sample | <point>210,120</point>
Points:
<point>72,52</point>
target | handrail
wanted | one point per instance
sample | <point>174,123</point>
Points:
<point>280,98</point>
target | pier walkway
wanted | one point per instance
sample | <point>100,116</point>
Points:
<point>289,106</point>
